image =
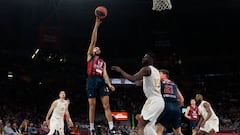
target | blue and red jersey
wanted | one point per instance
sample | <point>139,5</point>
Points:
<point>169,90</point>
<point>95,66</point>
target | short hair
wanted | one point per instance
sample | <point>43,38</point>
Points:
<point>164,71</point>
<point>199,94</point>
<point>152,55</point>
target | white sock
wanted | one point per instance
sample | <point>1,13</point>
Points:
<point>91,126</point>
<point>110,124</point>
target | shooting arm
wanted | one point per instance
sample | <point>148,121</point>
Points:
<point>93,39</point>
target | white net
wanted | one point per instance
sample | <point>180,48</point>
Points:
<point>159,5</point>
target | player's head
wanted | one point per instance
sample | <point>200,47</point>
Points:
<point>164,73</point>
<point>96,51</point>
<point>62,94</point>
<point>193,101</point>
<point>199,98</point>
<point>148,59</point>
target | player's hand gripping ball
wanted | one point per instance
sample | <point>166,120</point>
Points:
<point>101,12</point>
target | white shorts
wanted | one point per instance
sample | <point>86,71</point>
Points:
<point>56,124</point>
<point>152,108</point>
<point>211,124</point>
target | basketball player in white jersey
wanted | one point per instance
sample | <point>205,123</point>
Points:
<point>154,104</point>
<point>57,110</point>
<point>209,122</point>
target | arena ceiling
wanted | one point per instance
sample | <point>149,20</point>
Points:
<point>202,34</point>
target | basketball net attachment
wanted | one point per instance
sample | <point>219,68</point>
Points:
<point>159,5</point>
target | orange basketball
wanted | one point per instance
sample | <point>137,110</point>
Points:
<point>101,12</point>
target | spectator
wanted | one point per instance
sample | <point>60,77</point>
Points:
<point>8,129</point>
<point>1,128</point>
<point>43,130</point>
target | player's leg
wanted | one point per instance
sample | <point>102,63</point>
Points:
<point>61,127</point>
<point>200,132</point>
<point>106,107</point>
<point>108,114</point>
<point>91,94</point>
<point>212,132</point>
<point>193,125</point>
<point>213,126</point>
<point>51,131</point>
<point>104,93</point>
<point>194,132</point>
<point>150,129</point>
<point>176,120</point>
<point>141,125</point>
<point>92,106</point>
<point>210,127</point>
<point>177,131</point>
<point>159,128</point>
<point>52,126</point>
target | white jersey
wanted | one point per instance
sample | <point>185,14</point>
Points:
<point>154,104</point>
<point>60,109</point>
<point>57,118</point>
<point>151,84</point>
<point>204,113</point>
<point>212,123</point>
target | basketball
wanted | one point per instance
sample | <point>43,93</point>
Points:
<point>101,12</point>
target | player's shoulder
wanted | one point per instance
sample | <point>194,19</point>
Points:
<point>146,70</point>
<point>57,100</point>
<point>206,103</point>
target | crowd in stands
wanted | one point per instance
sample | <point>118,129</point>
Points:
<point>26,115</point>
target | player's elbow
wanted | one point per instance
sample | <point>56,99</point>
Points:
<point>181,101</point>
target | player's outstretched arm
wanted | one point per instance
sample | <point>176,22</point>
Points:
<point>145,71</point>
<point>93,38</point>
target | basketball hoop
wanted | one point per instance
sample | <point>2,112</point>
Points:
<point>159,5</point>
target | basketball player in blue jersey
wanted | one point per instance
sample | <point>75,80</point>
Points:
<point>171,116</point>
<point>154,104</point>
<point>97,81</point>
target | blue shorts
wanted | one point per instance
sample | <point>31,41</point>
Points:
<point>193,124</point>
<point>171,116</point>
<point>96,86</point>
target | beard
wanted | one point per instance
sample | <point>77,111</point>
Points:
<point>198,102</point>
<point>144,63</point>
<point>97,54</point>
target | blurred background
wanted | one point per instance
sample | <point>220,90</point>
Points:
<point>43,45</point>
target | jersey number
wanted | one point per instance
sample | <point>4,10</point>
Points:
<point>168,89</point>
